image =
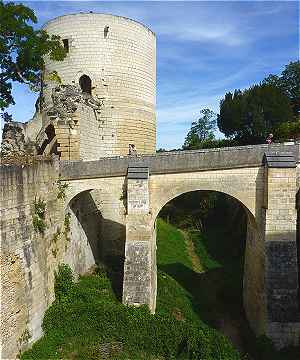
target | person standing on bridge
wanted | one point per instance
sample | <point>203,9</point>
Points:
<point>132,150</point>
<point>269,139</point>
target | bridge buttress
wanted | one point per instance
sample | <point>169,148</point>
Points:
<point>139,285</point>
<point>281,268</point>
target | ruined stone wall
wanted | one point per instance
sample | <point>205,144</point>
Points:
<point>27,262</point>
<point>118,55</point>
<point>29,257</point>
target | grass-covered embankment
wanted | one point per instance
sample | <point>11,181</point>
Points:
<point>86,321</point>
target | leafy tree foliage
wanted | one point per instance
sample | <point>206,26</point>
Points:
<point>249,115</point>
<point>22,50</point>
<point>289,83</point>
<point>201,130</point>
<point>287,130</point>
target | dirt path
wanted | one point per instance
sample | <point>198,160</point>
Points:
<point>226,325</point>
<point>197,266</point>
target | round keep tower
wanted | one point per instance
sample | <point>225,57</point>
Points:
<point>112,59</point>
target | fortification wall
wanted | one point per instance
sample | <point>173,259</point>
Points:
<point>30,257</point>
<point>118,55</point>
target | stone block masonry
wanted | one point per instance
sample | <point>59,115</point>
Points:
<point>29,257</point>
<point>111,206</point>
<point>118,55</point>
<point>139,283</point>
<point>282,270</point>
<point>27,262</point>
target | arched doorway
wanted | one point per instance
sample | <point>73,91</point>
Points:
<point>85,83</point>
<point>49,145</point>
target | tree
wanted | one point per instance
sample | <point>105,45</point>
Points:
<point>201,130</point>
<point>22,50</point>
<point>289,83</point>
<point>249,115</point>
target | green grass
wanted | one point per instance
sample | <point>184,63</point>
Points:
<point>217,292</point>
<point>171,245</point>
<point>88,317</point>
<point>208,262</point>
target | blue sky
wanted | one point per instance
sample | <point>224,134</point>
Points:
<point>204,49</point>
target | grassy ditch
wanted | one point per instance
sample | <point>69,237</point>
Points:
<point>86,321</point>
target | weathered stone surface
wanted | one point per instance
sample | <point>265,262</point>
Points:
<point>14,141</point>
<point>66,99</point>
<point>29,258</point>
<point>282,281</point>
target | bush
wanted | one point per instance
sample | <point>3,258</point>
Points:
<point>64,281</point>
<point>39,213</point>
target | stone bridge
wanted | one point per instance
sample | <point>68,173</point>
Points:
<point>127,193</point>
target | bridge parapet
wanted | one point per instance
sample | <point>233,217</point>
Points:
<point>177,161</point>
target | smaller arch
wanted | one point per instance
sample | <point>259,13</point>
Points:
<point>85,84</point>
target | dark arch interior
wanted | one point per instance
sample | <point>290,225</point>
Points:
<point>50,132</point>
<point>85,83</point>
<point>216,226</point>
<point>105,238</point>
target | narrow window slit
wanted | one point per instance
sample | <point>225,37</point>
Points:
<point>66,44</point>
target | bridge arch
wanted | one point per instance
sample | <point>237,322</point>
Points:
<point>97,221</point>
<point>254,262</point>
<point>173,194</point>
<point>245,185</point>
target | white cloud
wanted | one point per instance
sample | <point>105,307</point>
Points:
<point>218,33</point>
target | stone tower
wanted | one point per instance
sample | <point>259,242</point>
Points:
<point>101,97</point>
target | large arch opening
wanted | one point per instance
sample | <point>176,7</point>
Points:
<point>93,239</point>
<point>205,241</point>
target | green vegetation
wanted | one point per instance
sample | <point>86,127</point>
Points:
<point>87,319</point>
<point>215,294</point>
<point>288,82</point>
<point>54,240</point>
<point>23,50</point>
<point>67,226</point>
<point>39,214</point>
<point>248,116</point>
<point>62,187</point>
<point>201,130</point>
<point>171,245</point>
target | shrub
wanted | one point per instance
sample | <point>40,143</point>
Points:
<point>38,218</point>
<point>64,281</point>
<point>62,187</point>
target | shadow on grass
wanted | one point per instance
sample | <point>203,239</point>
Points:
<point>208,290</point>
